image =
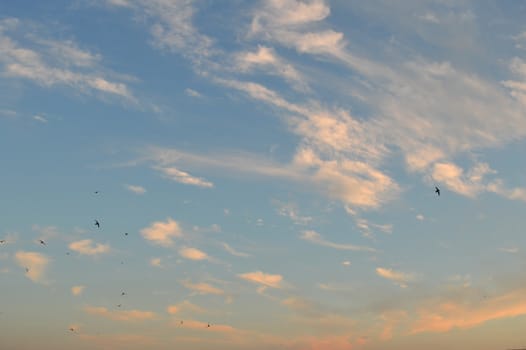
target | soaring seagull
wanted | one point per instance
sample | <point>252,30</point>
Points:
<point>97,223</point>
<point>437,190</point>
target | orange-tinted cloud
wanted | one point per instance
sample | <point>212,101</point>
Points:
<point>125,315</point>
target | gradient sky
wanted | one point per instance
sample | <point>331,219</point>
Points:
<point>273,163</point>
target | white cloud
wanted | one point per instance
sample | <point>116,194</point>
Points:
<point>40,118</point>
<point>36,263</point>
<point>136,189</point>
<point>50,62</point>
<point>192,93</point>
<point>234,252</point>
<point>420,217</point>
<point>193,254</point>
<point>316,238</point>
<point>290,210</point>
<point>202,288</point>
<point>265,279</point>
<point>177,175</point>
<point>400,278</point>
<point>88,247</point>
<point>77,290</point>
<point>162,233</point>
<point>346,263</point>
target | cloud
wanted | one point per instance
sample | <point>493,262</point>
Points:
<point>136,189</point>
<point>202,288</point>
<point>511,250</point>
<point>77,290</point>
<point>46,232</point>
<point>290,210</point>
<point>37,264</point>
<point>420,217</point>
<point>346,263</point>
<point>265,279</point>
<point>40,118</point>
<point>177,175</point>
<point>50,62</point>
<point>234,252</point>
<point>316,238</point>
<point>400,277</point>
<point>193,254</point>
<point>266,59</point>
<point>162,233</point>
<point>184,307</point>
<point>87,247</point>
<point>193,324</point>
<point>127,315</point>
<point>192,93</point>
<point>442,317</point>
<point>156,262</point>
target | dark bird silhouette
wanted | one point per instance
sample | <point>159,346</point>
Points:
<point>437,190</point>
<point>208,326</point>
<point>97,223</point>
<point>72,329</point>
<point>125,233</point>
<point>123,294</point>
<point>2,241</point>
<point>42,242</point>
<point>96,192</point>
<point>119,305</point>
<point>27,269</point>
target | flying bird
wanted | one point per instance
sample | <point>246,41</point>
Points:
<point>119,305</point>
<point>2,241</point>
<point>208,326</point>
<point>96,192</point>
<point>437,190</point>
<point>27,269</point>
<point>123,293</point>
<point>42,242</point>
<point>72,329</point>
<point>97,223</point>
<point>125,233</point>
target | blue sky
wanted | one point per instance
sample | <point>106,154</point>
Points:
<point>273,164</point>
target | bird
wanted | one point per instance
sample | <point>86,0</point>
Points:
<point>208,326</point>
<point>97,223</point>
<point>119,305</point>
<point>2,241</point>
<point>27,269</point>
<point>96,192</point>
<point>42,242</point>
<point>437,190</point>
<point>125,233</point>
<point>123,294</point>
<point>72,329</point>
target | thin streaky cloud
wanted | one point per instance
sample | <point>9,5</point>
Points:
<point>233,251</point>
<point>316,238</point>
<point>202,288</point>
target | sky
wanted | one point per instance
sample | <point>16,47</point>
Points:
<point>263,173</point>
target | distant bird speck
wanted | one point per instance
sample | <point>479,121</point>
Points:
<point>72,329</point>
<point>97,223</point>
<point>96,192</point>
<point>437,190</point>
<point>125,233</point>
<point>119,305</point>
<point>42,242</point>
<point>2,241</point>
<point>123,293</point>
<point>208,325</point>
<point>27,269</point>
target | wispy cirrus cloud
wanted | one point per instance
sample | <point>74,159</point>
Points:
<point>180,176</point>
<point>233,251</point>
<point>135,189</point>
<point>316,238</point>
<point>88,247</point>
<point>118,315</point>
<point>202,288</point>
<point>36,263</point>
<point>264,279</point>
<point>401,278</point>
<point>449,314</point>
<point>162,233</point>
<point>49,62</point>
